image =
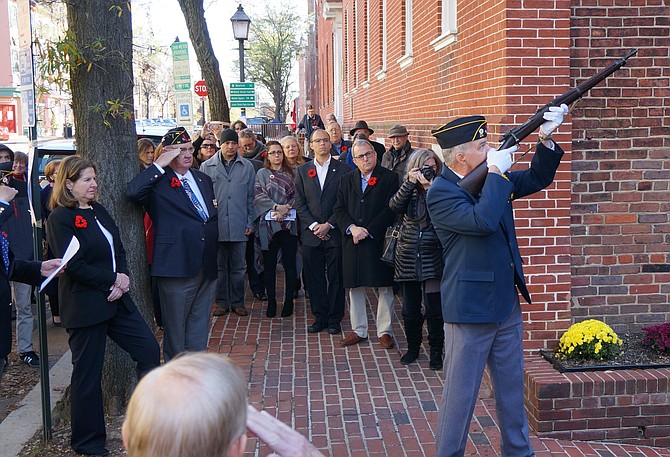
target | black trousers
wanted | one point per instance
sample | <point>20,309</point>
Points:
<point>87,344</point>
<point>413,293</point>
<point>322,269</point>
<point>289,245</point>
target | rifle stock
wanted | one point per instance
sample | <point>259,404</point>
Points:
<point>474,181</point>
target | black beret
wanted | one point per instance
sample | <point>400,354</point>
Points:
<point>228,135</point>
<point>460,131</point>
<point>177,135</point>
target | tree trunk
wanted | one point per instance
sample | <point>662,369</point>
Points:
<point>194,14</point>
<point>108,137</point>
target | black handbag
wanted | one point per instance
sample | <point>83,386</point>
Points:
<point>390,242</point>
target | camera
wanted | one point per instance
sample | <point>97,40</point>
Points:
<point>428,172</point>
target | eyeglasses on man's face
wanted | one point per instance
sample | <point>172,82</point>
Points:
<point>321,140</point>
<point>365,156</point>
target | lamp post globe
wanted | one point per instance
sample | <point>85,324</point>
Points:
<point>241,23</point>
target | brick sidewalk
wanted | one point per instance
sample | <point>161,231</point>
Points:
<point>359,401</point>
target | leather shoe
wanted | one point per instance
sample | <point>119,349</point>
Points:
<point>241,311</point>
<point>260,296</point>
<point>386,341</point>
<point>221,311</point>
<point>352,339</point>
<point>316,327</point>
<point>334,329</point>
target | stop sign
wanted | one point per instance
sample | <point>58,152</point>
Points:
<point>200,88</point>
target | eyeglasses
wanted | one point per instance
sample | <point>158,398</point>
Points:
<point>321,140</point>
<point>208,146</point>
<point>275,153</point>
<point>367,155</point>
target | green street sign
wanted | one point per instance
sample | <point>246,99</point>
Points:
<point>251,104</point>
<point>182,86</point>
<point>243,95</point>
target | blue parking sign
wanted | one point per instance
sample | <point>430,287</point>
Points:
<point>184,110</point>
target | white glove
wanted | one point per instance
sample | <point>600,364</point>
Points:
<point>554,117</point>
<point>501,158</point>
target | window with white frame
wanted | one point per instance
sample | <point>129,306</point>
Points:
<point>381,74</point>
<point>447,25</point>
<point>406,59</point>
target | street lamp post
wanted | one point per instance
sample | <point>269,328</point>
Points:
<point>241,24</point>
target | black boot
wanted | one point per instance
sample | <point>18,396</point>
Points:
<point>436,341</point>
<point>413,330</point>
<point>435,359</point>
<point>287,309</point>
<point>272,308</point>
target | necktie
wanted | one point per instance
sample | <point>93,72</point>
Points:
<point>194,199</point>
<point>5,251</point>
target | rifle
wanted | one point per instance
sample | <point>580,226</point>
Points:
<point>474,181</point>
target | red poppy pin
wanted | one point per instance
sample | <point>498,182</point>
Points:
<point>372,181</point>
<point>344,148</point>
<point>175,182</point>
<point>80,222</point>
<point>311,173</point>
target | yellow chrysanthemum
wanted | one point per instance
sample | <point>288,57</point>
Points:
<point>589,339</point>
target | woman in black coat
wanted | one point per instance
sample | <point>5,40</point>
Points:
<point>94,300</point>
<point>418,259</point>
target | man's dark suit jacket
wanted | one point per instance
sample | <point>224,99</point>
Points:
<point>183,243</point>
<point>85,284</point>
<point>482,263</point>
<point>369,209</point>
<point>315,204</point>
<point>19,270</point>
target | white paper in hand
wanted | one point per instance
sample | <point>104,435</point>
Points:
<point>71,250</point>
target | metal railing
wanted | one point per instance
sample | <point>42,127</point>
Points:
<point>271,131</point>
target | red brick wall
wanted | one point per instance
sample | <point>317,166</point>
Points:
<point>497,68</point>
<point>595,243</point>
<point>621,173</point>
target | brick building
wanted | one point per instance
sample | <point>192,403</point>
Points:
<point>596,243</point>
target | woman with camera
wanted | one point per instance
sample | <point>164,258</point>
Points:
<point>418,259</point>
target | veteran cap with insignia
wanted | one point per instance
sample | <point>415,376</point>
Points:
<point>460,131</point>
<point>177,135</point>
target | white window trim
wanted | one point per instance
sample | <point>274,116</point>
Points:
<point>448,26</point>
<point>381,74</point>
<point>407,59</point>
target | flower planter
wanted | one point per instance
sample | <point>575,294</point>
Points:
<point>562,367</point>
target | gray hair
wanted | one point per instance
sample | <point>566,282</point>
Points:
<point>449,154</point>
<point>247,133</point>
<point>360,142</point>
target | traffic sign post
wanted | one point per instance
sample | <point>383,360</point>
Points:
<point>243,95</point>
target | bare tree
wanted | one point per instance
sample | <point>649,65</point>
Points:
<point>194,14</point>
<point>99,59</point>
<point>275,42</point>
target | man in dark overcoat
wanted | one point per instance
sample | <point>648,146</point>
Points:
<point>363,215</point>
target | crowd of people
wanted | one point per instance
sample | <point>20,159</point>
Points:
<point>229,203</point>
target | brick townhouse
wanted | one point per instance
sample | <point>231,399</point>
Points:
<point>596,243</point>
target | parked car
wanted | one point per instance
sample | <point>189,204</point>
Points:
<point>48,150</point>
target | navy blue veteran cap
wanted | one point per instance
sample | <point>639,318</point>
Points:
<point>460,131</point>
<point>177,135</point>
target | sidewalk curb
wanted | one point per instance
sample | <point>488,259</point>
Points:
<point>22,423</point>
